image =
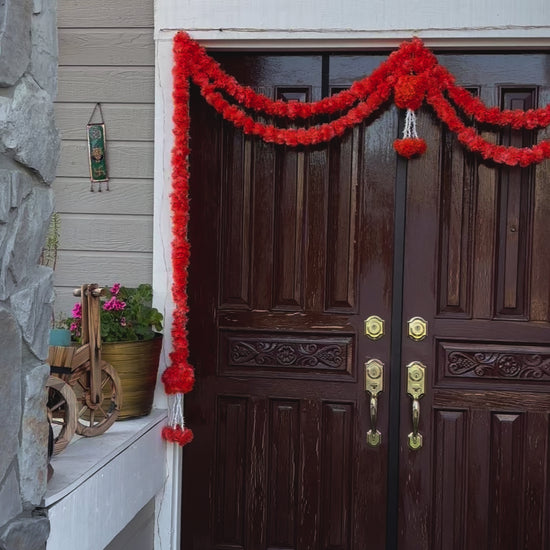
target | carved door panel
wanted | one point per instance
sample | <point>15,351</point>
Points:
<point>292,250</point>
<point>476,268</point>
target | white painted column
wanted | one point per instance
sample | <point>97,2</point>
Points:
<point>168,501</point>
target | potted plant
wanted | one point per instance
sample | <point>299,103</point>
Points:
<point>60,335</point>
<point>131,342</point>
<point>59,330</point>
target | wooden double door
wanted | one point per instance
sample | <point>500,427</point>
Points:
<point>308,266</point>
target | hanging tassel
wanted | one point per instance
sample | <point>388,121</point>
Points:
<point>410,145</point>
<point>177,382</point>
<point>175,431</point>
<point>179,435</point>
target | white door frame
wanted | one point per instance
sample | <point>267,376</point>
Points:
<point>168,503</point>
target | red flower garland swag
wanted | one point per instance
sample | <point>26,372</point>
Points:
<point>179,377</point>
<point>411,74</point>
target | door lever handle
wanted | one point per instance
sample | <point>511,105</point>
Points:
<point>416,374</point>
<point>374,384</point>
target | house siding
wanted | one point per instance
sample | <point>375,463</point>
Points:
<point>106,55</point>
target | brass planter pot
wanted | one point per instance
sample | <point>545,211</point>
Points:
<point>137,365</point>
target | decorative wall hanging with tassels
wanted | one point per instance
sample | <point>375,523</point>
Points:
<point>97,147</point>
<point>411,75</point>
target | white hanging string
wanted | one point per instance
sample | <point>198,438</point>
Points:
<point>175,410</point>
<point>410,125</point>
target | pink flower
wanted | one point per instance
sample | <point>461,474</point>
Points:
<point>113,304</point>
<point>75,329</point>
<point>123,322</point>
<point>77,311</point>
<point>115,288</point>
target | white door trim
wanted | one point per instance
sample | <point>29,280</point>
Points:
<point>168,508</point>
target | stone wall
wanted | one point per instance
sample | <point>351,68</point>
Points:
<point>29,150</point>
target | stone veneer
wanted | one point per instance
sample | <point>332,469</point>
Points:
<point>29,150</point>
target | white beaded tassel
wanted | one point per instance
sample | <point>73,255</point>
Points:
<point>175,410</point>
<point>410,125</point>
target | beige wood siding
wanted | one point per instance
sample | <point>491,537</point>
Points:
<point>106,55</point>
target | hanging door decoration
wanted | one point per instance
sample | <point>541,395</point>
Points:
<point>95,134</point>
<point>410,77</point>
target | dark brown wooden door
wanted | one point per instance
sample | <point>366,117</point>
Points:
<point>292,250</point>
<point>476,267</point>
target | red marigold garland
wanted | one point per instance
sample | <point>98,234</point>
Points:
<point>178,378</point>
<point>297,136</point>
<point>411,73</point>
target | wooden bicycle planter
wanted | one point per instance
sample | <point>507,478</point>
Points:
<point>84,392</point>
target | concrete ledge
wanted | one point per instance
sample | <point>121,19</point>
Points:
<point>99,484</point>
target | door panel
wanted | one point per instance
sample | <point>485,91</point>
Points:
<point>469,271</point>
<point>277,327</point>
<point>292,250</point>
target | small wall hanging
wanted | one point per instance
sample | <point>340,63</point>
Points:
<point>95,134</point>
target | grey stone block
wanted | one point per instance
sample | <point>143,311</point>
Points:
<point>22,239</point>
<point>15,40</point>
<point>32,307</point>
<point>15,186</point>
<point>26,533</point>
<point>10,401</point>
<point>21,187</point>
<point>27,128</point>
<point>34,218</point>
<point>44,53</point>
<point>5,196</point>
<point>10,501</point>
<point>33,453</point>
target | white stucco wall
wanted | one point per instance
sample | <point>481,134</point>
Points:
<point>502,23</point>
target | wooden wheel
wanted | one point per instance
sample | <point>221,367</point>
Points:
<point>61,412</point>
<point>95,418</point>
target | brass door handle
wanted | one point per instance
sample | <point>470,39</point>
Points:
<point>416,374</point>
<point>374,384</point>
<point>415,438</point>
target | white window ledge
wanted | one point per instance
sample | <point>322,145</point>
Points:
<point>100,483</point>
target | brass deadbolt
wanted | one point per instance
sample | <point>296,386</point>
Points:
<point>374,327</point>
<point>418,328</point>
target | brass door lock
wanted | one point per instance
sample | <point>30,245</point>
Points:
<point>418,328</point>
<point>374,327</point>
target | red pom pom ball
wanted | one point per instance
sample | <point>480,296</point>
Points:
<point>410,147</point>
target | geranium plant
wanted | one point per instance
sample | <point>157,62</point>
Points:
<point>126,315</point>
